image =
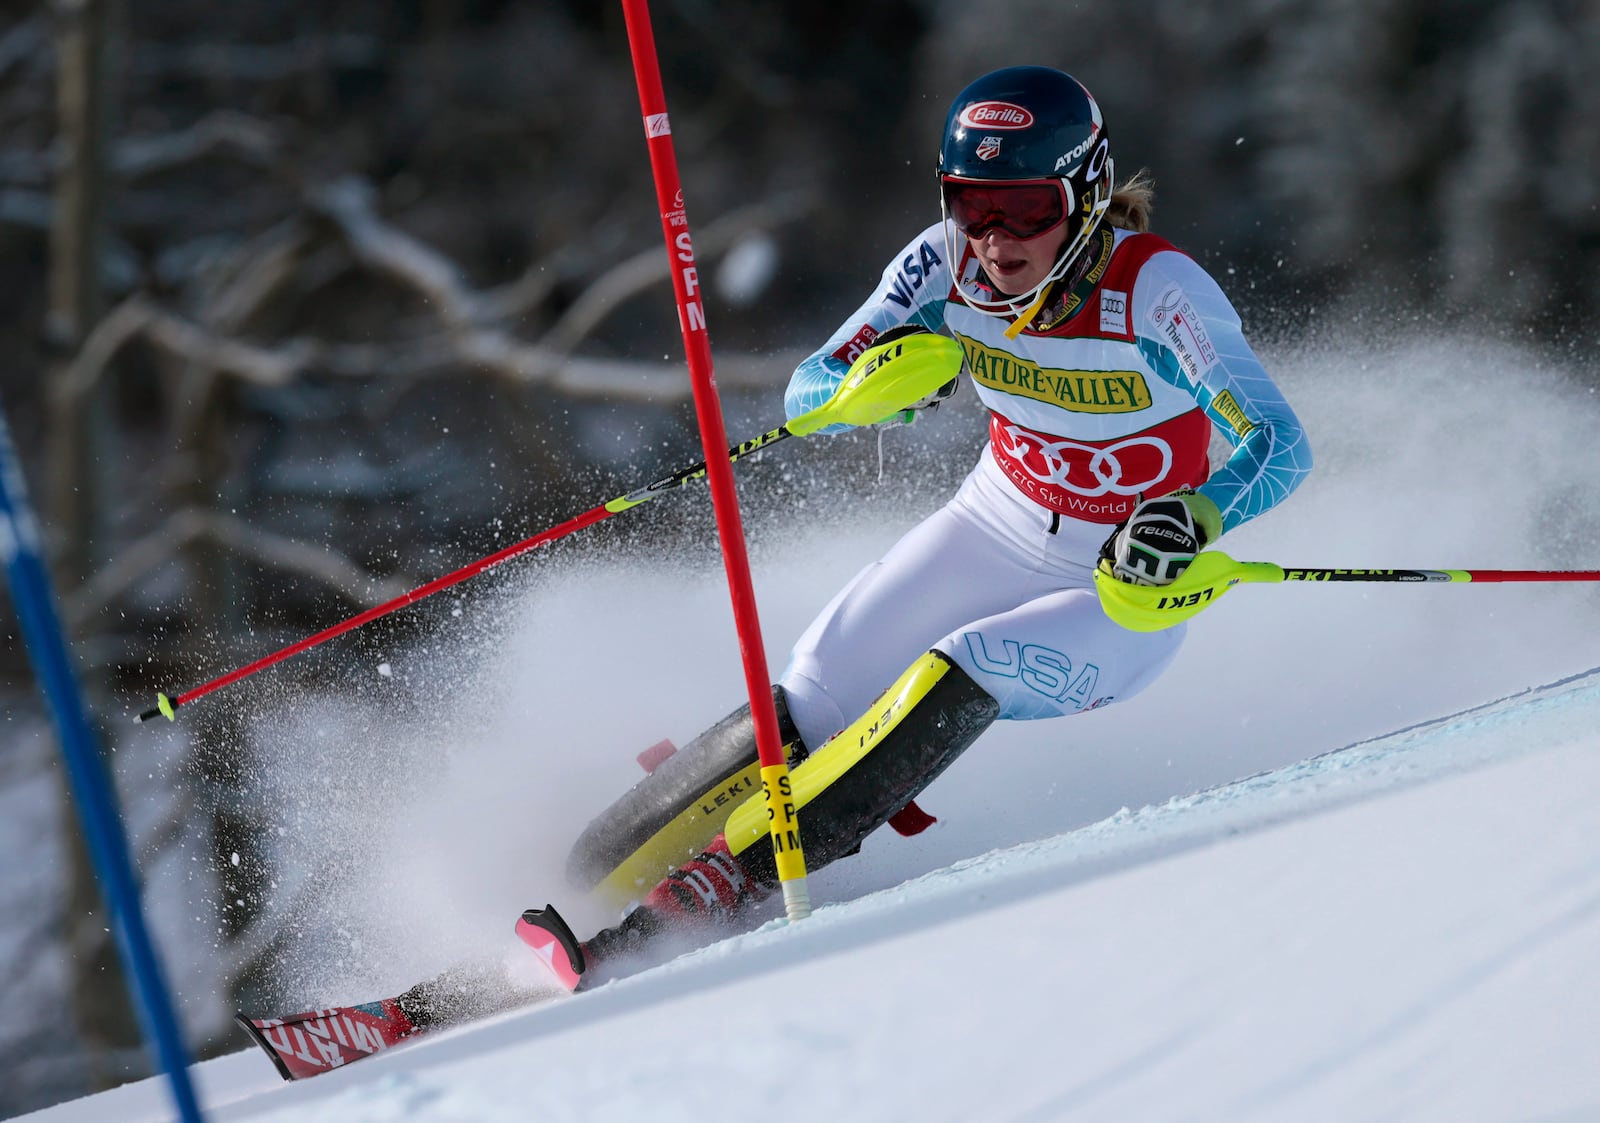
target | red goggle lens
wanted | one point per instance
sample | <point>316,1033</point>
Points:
<point>1023,210</point>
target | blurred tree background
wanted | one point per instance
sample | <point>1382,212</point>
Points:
<point>300,301</point>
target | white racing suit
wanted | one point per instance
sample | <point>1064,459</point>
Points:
<point>1110,395</point>
<point>987,608</point>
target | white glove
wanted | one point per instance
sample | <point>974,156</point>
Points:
<point>1162,537</point>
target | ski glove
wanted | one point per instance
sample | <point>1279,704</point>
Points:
<point>872,356</point>
<point>1162,537</point>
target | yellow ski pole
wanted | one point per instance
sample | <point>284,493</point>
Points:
<point>1151,608</point>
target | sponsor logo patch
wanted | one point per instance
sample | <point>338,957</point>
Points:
<point>1067,159</point>
<point>914,270</point>
<point>1224,404</point>
<point>1113,312</point>
<point>1332,574</point>
<point>1180,327</point>
<point>1081,391</point>
<point>995,115</point>
<point>988,148</point>
<point>852,348</point>
<point>1040,668</point>
<point>1101,481</point>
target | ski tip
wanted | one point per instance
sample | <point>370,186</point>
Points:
<point>552,941</point>
<point>243,1021</point>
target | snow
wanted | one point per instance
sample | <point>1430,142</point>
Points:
<point>1404,929</point>
<point>1392,916</point>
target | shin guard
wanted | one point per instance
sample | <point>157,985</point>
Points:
<point>677,810</point>
<point>874,768</point>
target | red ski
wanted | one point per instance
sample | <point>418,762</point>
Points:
<point>306,1044</point>
<point>318,1041</point>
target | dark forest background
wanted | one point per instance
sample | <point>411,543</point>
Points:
<point>302,304</point>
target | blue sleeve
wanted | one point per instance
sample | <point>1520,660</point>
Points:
<point>912,291</point>
<point>1193,335</point>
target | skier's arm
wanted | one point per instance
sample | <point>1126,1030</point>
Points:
<point>1193,335</point>
<point>912,291</point>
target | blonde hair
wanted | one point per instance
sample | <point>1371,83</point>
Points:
<point>1132,202</point>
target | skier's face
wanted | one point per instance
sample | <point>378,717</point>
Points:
<point>1016,265</point>
<point>1016,228</point>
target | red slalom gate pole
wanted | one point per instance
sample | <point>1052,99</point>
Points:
<point>725,499</point>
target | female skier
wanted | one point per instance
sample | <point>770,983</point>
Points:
<point>1107,359</point>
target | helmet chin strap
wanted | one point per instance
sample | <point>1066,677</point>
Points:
<point>1035,298</point>
<point>1026,317</point>
<point>1067,279</point>
<point>1064,282</point>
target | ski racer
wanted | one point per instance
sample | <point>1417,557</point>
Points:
<point>1108,361</point>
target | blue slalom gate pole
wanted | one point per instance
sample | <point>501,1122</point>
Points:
<point>91,786</point>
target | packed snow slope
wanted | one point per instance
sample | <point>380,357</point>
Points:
<point>1374,925</point>
<point>1404,929</point>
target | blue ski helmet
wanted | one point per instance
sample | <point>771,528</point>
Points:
<point>1027,125</point>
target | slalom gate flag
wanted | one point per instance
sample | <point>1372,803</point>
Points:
<point>92,791</point>
<point>708,409</point>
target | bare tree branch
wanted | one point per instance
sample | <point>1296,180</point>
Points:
<point>269,264</point>
<point>240,285</point>
<point>32,209</point>
<point>507,357</point>
<point>243,62</point>
<point>138,316</point>
<point>527,292</point>
<point>386,250</point>
<point>23,41</point>
<point>271,550</point>
<point>250,138</point>
<point>495,353</point>
<point>651,267</point>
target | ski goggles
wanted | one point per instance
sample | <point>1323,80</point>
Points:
<point>1024,209</point>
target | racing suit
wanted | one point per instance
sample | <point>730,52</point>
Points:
<point>1109,396</point>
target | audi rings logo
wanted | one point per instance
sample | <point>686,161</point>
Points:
<point>1125,467</point>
